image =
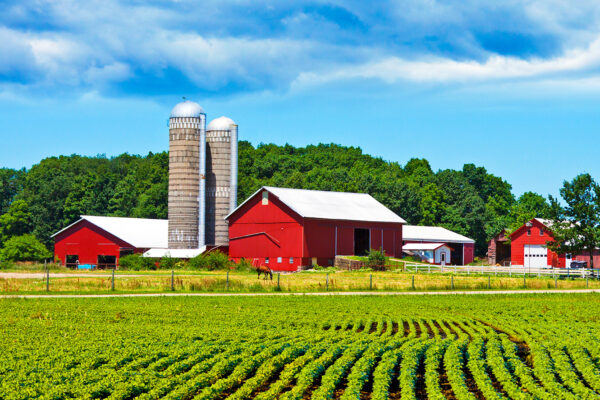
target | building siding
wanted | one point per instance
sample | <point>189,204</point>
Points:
<point>88,242</point>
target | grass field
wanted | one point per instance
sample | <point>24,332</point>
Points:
<point>217,281</point>
<point>360,347</point>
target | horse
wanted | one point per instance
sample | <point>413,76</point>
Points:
<point>263,269</point>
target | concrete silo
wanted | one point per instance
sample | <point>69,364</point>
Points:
<point>187,170</point>
<point>221,178</point>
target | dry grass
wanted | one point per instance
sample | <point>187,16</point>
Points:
<point>299,282</point>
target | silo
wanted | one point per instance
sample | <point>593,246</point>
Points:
<point>221,178</point>
<point>187,161</point>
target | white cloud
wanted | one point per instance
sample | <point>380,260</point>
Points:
<point>444,70</point>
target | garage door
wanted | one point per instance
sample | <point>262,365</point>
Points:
<point>536,256</point>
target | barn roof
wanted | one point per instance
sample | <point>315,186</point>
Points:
<point>331,205</point>
<point>433,234</point>
<point>423,246</point>
<point>139,232</point>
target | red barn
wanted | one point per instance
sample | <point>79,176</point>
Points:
<point>100,241</point>
<point>288,228</point>
<point>528,247</point>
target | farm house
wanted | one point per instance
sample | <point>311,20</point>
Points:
<point>99,242</point>
<point>462,248</point>
<point>528,247</point>
<point>288,228</point>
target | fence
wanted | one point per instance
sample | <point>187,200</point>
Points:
<point>502,271</point>
<point>418,277</point>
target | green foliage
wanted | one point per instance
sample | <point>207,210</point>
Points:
<point>576,226</point>
<point>213,260</point>
<point>135,262</point>
<point>376,259</point>
<point>244,265</point>
<point>168,262</point>
<point>24,248</point>
<point>16,221</point>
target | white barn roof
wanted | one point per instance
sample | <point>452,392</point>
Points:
<point>331,205</point>
<point>423,246</point>
<point>433,234</point>
<point>139,232</point>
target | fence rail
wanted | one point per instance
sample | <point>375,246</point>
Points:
<point>505,271</point>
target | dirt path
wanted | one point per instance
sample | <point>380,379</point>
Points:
<point>490,292</point>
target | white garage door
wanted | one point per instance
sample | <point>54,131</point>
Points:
<point>536,256</point>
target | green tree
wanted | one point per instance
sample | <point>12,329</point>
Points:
<point>528,206</point>
<point>24,248</point>
<point>576,226</point>
<point>16,221</point>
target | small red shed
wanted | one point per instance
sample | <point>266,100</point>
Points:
<point>94,241</point>
<point>289,228</point>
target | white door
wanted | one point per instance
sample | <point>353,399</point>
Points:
<point>568,260</point>
<point>536,256</point>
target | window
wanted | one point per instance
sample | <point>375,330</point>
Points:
<point>279,260</point>
<point>528,232</point>
<point>266,260</point>
<point>541,232</point>
<point>265,198</point>
<point>72,261</point>
<point>291,260</point>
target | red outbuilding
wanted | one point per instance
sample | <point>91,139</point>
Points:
<point>529,247</point>
<point>99,242</point>
<point>289,228</point>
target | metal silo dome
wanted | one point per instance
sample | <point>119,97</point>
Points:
<point>220,124</point>
<point>187,109</point>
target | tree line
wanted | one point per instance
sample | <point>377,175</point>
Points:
<point>54,193</point>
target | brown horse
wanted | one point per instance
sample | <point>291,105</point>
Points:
<point>263,269</point>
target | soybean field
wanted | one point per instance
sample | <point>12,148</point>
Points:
<point>541,346</point>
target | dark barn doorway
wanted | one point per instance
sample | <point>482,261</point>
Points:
<point>456,253</point>
<point>72,261</point>
<point>105,262</point>
<point>361,241</point>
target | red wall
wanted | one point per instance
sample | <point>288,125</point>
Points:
<point>519,239</point>
<point>469,253</point>
<point>585,256</point>
<point>88,241</point>
<point>258,231</point>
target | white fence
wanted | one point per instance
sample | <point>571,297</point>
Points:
<point>502,271</point>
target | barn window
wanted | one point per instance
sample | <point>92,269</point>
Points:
<point>291,260</point>
<point>265,198</point>
<point>528,232</point>
<point>541,232</point>
<point>266,260</point>
<point>279,260</point>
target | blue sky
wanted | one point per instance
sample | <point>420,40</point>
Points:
<point>513,86</point>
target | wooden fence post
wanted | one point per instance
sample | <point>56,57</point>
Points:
<point>172,280</point>
<point>112,282</point>
<point>227,281</point>
<point>47,279</point>
<point>327,281</point>
<point>413,282</point>
<point>489,282</point>
<point>452,282</point>
<point>278,275</point>
<point>370,281</point>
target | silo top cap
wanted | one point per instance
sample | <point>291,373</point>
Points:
<point>220,124</point>
<point>187,109</point>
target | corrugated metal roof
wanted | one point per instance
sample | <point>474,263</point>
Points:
<point>332,205</point>
<point>139,232</point>
<point>433,234</point>
<point>423,246</point>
